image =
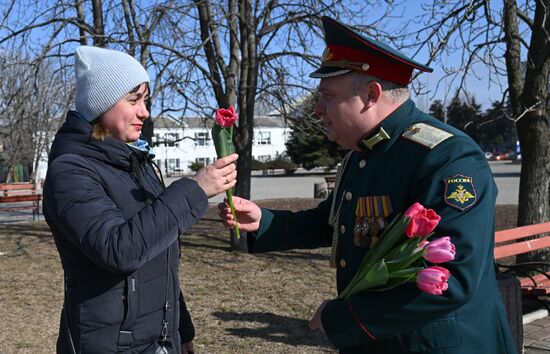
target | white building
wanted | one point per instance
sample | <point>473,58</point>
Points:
<point>178,144</point>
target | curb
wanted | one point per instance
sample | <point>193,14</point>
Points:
<point>535,315</point>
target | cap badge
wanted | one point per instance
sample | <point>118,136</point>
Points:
<point>365,67</point>
<point>327,55</point>
<point>460,192</point>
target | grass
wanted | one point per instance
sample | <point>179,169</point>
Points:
<point>240,303</point>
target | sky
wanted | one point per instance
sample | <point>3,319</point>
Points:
<point>479,86</point>
<point>406,10</point>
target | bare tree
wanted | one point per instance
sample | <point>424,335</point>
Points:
<point>32,101</point>
<point>239,50</point>
<point>481,32</point>
<point>202,54</point>
<point>48,30</point>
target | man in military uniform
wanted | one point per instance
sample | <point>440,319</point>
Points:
<point>399,156</point>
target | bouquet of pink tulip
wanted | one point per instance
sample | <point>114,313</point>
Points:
<point>400,253</point>
<point>222,134</point>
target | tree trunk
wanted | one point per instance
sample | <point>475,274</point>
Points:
<point>529,104</point>
<point>79,6</point>
<point>99,28</point>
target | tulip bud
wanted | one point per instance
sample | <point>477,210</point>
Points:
<point>440,250</point>
<point>422,221</point>
<point>433,280</point>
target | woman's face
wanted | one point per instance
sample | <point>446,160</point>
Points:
<point>125,119</point>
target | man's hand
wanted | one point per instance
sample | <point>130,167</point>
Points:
<point>315,324</point>
<point>187,348</point>
<point>248,214</point>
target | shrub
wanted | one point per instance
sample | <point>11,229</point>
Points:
<point>282,163</point>
<point>258,165</point>
<point>195,166</point>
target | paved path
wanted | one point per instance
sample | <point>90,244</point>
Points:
<point>301,184</point>
<point>536,336</point>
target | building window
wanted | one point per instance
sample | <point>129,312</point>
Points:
<point>204,160</point>
<point>156,140</point>
<point>264,158</point>
<point>173,165</point>
<point>263,138</point>
<point>202,139</point>
<point>171,139</point>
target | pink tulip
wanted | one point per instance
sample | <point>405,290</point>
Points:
<point>226,117</point>
<point>440,250</point>
<point>422,221</point>
<point>433,280</point>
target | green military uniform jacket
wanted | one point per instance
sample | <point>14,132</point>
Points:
<point>424,161</point>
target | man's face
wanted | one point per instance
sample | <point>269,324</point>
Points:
<point>342,110</point>
<point>125,119</point>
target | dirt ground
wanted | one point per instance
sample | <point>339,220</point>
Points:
<point>240,303</point>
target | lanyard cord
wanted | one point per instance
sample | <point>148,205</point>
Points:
<point>166,307</point>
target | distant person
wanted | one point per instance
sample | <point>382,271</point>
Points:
<point>399,156</point>
<point>116,226</point>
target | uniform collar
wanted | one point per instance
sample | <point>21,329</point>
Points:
<point>390,128</point>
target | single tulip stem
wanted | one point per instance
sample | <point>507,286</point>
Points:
<point>229,195</point>
<point>223,142</point>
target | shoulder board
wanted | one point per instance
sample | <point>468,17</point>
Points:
<point>426,135</point>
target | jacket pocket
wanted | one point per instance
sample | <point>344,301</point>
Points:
<point>436,335</point>
<point>105,309</point>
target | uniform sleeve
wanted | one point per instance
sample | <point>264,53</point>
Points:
<point>469,221</point>
<point>186,327</point>
<point>283,230</point>
<point>79,207</point>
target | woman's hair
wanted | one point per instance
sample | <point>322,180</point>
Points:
<point>98,130</point>
<point>394,92</point>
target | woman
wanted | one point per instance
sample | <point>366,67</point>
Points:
<point>115,224</point>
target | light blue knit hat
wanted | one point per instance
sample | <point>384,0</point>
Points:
<point>103,77</point>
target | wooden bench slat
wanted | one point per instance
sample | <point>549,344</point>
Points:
<point>514,249</point>
<point>12,186</point>
<point>18,193</point>
<point>20,198</point>
<point>521,232</point>
<point>538,284</point>
<point>535,280</point>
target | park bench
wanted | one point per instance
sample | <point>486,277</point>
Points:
<point>20,196</point>
<point>331,181</point>
<point>512,242</point>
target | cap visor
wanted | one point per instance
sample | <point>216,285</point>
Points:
<point>328,71</point>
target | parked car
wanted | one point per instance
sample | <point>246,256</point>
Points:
<point>510,155</point>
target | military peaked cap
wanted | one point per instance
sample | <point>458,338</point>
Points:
<point>348,50</point>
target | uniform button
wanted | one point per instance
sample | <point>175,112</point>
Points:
<point>362,163</point>
<point>349,196</point>
<point>342,229</point>
<point>342,263</point>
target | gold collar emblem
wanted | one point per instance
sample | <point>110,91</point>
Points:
<point>376,138</point>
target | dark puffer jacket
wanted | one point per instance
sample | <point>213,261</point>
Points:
<point>116,228</point>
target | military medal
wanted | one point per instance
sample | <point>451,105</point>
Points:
<point>370,218</point>
<point>361,227</point>
<point>360,233</point>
